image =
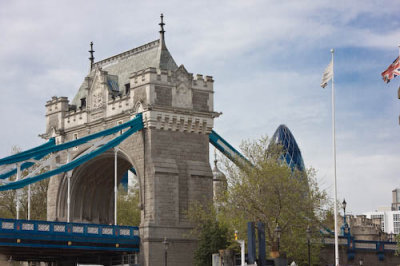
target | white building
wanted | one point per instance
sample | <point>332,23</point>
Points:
<point>396,199</point>
<point>389,220</point>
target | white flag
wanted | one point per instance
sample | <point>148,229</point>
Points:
<point>327,76</point>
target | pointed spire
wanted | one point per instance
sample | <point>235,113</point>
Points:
<point>162,31</point>
<point>91,58</point>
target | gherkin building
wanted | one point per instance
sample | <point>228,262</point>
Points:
<point>292,154</point>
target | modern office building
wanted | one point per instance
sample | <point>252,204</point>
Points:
<point>389,219</point>
<point>292,154</point>
<point>396,199</point>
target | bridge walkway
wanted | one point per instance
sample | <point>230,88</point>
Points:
<point>66,243</point>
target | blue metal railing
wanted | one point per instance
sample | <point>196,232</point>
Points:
<point>89,236</point>
<point>67,229</point>
<point>353,246</point>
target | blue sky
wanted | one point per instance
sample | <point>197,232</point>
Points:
<point>267,59</point>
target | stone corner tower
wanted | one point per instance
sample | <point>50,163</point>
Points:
<point>170,155</point>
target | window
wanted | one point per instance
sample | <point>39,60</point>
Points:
<point>83,103</point>
<point>74,137</point>
<point>396,227</point>
<point>127,88</point>
<point>381,219</point>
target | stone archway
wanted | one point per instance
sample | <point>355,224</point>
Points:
<point>92,189</point>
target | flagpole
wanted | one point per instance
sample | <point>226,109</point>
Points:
<point>334,163</point>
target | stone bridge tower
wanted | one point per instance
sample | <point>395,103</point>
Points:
<point>170,155</point>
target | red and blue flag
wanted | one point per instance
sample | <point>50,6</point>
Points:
<point>392,71</point>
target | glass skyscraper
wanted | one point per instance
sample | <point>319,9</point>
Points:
<point>292,154</point>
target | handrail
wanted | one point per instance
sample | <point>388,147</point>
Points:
<point>67,229</point>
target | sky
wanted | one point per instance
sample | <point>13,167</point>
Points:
<point>267,60</point>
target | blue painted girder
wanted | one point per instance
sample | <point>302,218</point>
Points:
<point>223,146</point>
<point>135,125</point>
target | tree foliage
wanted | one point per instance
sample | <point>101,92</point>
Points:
<point>268,190</point>
<point>213,234</point>
<point>8,199</point>
<point>128,211</point>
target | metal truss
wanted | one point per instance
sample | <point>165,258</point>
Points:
<point>40,161</point>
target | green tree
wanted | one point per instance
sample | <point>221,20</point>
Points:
<point>38,201</point>
<point>128,211</point>
<point>268,190</point>
<point>213,234</point>
<point>8,202</point>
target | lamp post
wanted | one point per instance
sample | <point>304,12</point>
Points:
<point>278,235</point>
<point>308,231</point>
<point>166,244</point>
<point>344,204</point>
<point>346,229</point>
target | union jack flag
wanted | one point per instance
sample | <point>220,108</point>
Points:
<point>392,71</point>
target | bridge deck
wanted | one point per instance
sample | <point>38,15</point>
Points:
<point>54,241</point>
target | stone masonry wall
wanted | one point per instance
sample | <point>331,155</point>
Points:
<point>200,100</point>
<point>175,163</point>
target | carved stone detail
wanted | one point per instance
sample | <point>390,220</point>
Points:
<point>177,122</point>
<point>182,92</point>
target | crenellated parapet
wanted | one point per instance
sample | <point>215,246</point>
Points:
<point>177,122</point>
<point>75,118</point>
<point>56,109</point>
<point>171,100</point>
<point>176,89</point>
<point>159,76</point>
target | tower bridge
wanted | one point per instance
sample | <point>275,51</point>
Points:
<point>140,111</point>
<point>137,109</point>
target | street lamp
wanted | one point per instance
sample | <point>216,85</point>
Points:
<point>278,235</point>
<point>308,231</point>
<point>166,244</point>
<point>345,227</point>
<point>344,204</point>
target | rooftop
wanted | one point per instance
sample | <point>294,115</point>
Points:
<point>119,67</point>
